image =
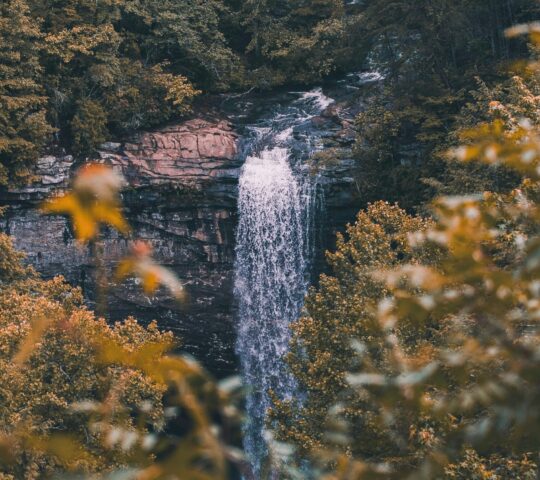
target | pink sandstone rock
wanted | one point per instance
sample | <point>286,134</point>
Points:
<point>193,151</point>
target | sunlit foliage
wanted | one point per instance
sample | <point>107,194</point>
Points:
<point>337,311</point>
<point>94,201</point>
<point>140,264</point>
<point>480,387</point>
<point>84,397</point>
<point>49,363</point>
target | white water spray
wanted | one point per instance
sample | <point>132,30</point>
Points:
<point>273,254</point>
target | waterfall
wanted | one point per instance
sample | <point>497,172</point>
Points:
<point>271,270</point>
<point>273,254</point>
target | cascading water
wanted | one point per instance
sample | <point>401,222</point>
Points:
<point>274,251</point>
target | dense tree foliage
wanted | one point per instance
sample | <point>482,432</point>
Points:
<point>479,387</point>
<point>440,376</point>
<point>24,129</point>
<point>300,41</point>
<point>91,70</point>
<point>432,54</point>
<point>342,333</point>
<point>339,310</point>
<point>509,102</point>
<point>43,379</point>
<point>88,71</point>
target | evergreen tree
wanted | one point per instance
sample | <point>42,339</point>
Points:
<point>119,77</point>
<point>187,34</point>
<point>432,54</point>
<point>23,126</point>
<point>300,40</point>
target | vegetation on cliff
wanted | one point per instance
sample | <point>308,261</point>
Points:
<point>76,73</point>
<point>49,369</point>
<point>437,57</point>
<point>81,397</point>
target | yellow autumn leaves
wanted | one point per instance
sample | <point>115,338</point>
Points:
<point>95,201</point>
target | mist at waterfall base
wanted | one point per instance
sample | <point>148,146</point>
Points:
<point>278,205</point>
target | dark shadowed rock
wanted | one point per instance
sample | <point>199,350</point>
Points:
<point>182,199</point>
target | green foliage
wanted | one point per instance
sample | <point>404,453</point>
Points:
<point>23,126</point>
<point>187,34</point>
<point>391,166</point>
<point>299,41</point>
<point>341,309</point>
<point>508,102</point>
<point>100,69</point>
<point>474,467</point>
<point>11,267</point>
<point>95,70</point>
<point>122,65</point>
<point>432,54</point>
<point>106,71</point>
<point>147,96</point>
<point>473,382</point>
<point>88,127</point>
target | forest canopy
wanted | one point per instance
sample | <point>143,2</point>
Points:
<point>76,73</point>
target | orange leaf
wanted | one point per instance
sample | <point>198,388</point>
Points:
<point>150,281</point>
<point>65,204</point>
<point>110,214</point>
<point>125,268</point>
<point>84,225</point>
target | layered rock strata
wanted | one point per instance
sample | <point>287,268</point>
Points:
<point>181,197</point>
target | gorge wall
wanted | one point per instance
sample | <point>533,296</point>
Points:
<point>181,197</point>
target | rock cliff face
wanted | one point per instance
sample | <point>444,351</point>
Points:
<point>182,198</point>
<point>193,153</point>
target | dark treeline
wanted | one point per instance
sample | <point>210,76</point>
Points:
<point>74,73</point>
<point>435,55</point>
<point>77,72</point>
